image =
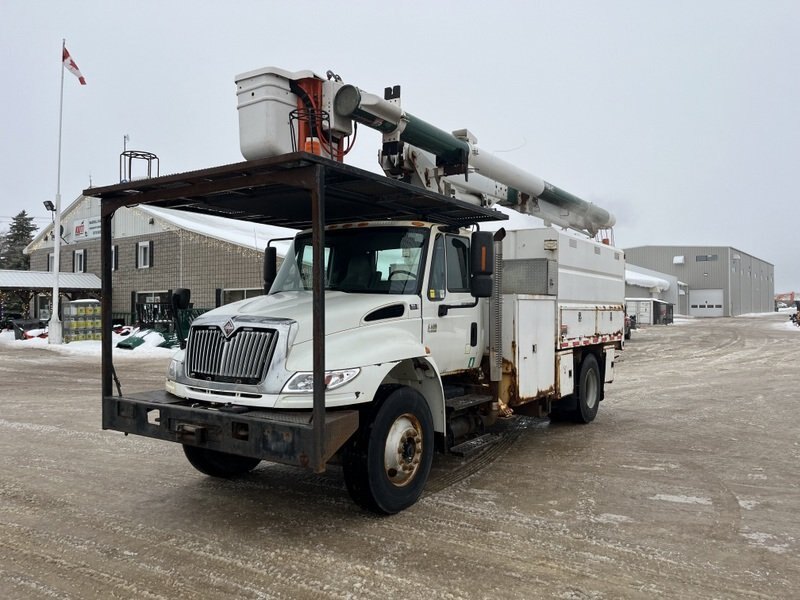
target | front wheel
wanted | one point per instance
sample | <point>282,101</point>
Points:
<point>589,391</point>
<point>219,464</point>
<point>387,461</point>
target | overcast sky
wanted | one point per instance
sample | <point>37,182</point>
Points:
<point>682,118</point>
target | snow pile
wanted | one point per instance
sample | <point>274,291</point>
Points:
<point>684,320</point>
<point>242,233</point>
<point>682,499</point>
<point>92,347</point>
<point>789,325</point>
<point>646,281</point>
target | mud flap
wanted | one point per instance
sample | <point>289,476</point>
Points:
<point>609,353</point>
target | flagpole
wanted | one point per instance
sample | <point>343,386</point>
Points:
<point>54,330</point>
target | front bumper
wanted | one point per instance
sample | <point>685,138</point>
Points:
<point>275,435</point>
<point>234,395</point>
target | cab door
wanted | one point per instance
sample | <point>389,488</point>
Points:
<point>450,325</point>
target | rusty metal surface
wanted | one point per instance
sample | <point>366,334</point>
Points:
<point>509,392</point>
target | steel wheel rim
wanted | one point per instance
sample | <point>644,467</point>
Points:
<point>402,455</point>
<point>591,388</point>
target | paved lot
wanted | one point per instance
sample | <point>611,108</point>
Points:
<point>686,486</point>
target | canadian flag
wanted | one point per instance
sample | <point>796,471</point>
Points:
<point>70,66</point>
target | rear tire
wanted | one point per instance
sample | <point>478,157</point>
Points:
<point>387,461</point>
<point>219,464</point>
<point>589,391</point>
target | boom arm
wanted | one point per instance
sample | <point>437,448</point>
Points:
<point>461,168</point>
<point>320,116</point>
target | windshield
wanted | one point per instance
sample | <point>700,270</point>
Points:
<point>374,260</point>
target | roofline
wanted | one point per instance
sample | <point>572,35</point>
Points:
<point>48,228</point>
<point>197,230</point>
<point>714,246</point>
<point>49,286</point>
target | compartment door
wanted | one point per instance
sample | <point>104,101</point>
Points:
<point>536,341</point>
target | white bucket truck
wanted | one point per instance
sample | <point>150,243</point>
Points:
<point>421,328</point>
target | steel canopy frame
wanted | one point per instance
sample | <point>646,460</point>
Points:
<point>271,190</point>
<point>294,190</point>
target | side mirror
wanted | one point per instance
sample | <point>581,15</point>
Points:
<point>481,264</point>
<point>180,301</point>
<point>270,267</point>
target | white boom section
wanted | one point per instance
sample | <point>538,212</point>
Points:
<point>483,185</point>
<point>458,153</point>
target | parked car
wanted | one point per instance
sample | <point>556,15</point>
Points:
<point>7,318</point>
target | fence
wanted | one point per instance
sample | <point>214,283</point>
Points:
<point>159,317</point>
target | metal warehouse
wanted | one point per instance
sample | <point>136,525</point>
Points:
<point>722,281</point>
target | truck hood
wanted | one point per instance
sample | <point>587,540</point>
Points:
<point>343,311</point>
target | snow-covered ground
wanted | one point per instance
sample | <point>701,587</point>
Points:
<point>148,349</point>
<point>785,312</point>
<point>152,339</point>
<point>785,324</point>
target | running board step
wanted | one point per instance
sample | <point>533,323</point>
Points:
<point>474,445</point>
<point>461,402</point>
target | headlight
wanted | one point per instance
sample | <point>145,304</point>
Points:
<point>303,381</point>
<point>174,364</point>
<point>172,371</point>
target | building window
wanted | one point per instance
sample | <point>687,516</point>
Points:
<point>234,295</point>
<point>51,261</point>
<point>706,257</point>
<point>43,306</point>
<point>144,255</point>
<point>79,261</point>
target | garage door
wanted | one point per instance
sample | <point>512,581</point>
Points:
<point>705,303</point>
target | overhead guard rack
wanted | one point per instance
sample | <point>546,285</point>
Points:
<point>297,190</point>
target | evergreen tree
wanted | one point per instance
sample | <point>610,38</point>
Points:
<point>3,248</point>
<point>19,235</point>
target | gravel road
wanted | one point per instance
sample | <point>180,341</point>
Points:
<point>687,485</point>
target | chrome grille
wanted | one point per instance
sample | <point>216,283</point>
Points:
<point>241,358</point>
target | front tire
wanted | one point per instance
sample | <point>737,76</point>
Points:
<point>387,461</point>
<point>219,464</point>
<point>589,391</point>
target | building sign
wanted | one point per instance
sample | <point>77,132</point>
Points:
<point>85,229</point>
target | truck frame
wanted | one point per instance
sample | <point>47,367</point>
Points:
<point>296,190</point>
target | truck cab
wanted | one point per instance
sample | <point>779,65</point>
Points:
<point>399,309</point>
